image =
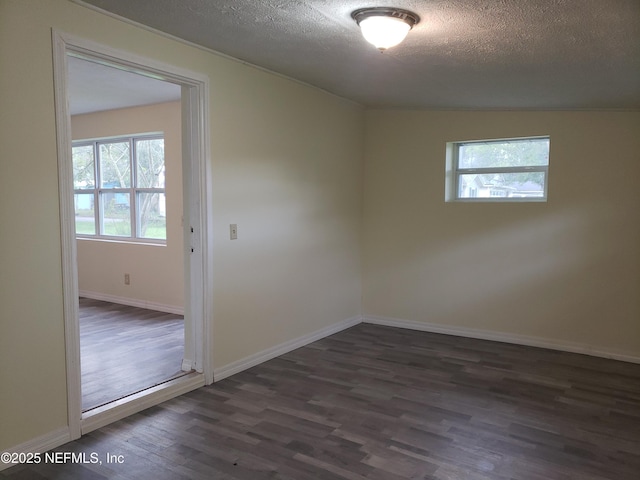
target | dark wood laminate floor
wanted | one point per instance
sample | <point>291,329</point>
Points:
<point>382,403</point>
<point>126,349</point>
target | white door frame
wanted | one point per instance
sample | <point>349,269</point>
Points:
<point>197,222</point>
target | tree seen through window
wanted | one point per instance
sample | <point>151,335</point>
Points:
<point>120,188</point>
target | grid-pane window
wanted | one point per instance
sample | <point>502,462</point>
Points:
<point>115,164</point>
<point>500,170</point>
<point>85,213</point>
<point>152,220</point>
<point>84,175</point>
<point>120,188</point>
<point>115,210</point>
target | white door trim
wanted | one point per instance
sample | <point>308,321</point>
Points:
<point>196,141</point>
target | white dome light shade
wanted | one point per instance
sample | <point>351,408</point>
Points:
<point>385,27</point>
<point>384,32</point>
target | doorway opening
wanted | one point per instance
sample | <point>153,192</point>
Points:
<point>128,200</point>
<point>147,225</point>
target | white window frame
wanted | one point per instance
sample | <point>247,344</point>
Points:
<point>132,191</point>
<point>454,172</point>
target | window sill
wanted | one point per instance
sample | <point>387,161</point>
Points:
<point>497,200</point>
<point>128,241</point>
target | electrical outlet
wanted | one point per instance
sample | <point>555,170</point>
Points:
<point>127,279</point>
<point>233,231</point>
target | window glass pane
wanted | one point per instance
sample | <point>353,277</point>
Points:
<point>152,216</point>
<point>85,213</point>
<point>115,165</point>
<point>83,167</point>
<point>150,163</point>
<point>505,185</point>
<point>512,153</point>
<point>116,214</point>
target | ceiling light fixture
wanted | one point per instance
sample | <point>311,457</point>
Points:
<point>385,27</point>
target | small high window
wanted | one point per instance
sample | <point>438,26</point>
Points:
<point>498,170</point>
<point>119,188</point>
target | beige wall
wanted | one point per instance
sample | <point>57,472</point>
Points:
<point>287,168</point>
<point>156,272</point>
<point>567,270</point>
<point>293,187</point>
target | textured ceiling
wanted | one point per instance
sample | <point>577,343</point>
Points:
<point>486,54</point>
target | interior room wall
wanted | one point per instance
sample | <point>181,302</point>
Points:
<point>156,271</point>
<point>288,172</point>
<point>287,168</point>
<point>566,271</point>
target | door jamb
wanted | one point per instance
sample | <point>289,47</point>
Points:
<point>196,141</point>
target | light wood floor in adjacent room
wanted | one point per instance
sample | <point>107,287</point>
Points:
<point>382,403</point>
<point>126,349</point>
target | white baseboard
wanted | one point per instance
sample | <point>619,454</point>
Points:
<point>503,337</point>
<point>260,357</point>
<point>40,444</point>
<point>132,302</point>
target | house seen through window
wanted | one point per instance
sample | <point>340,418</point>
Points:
<point>499,170</point>
<point>119,188</point>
